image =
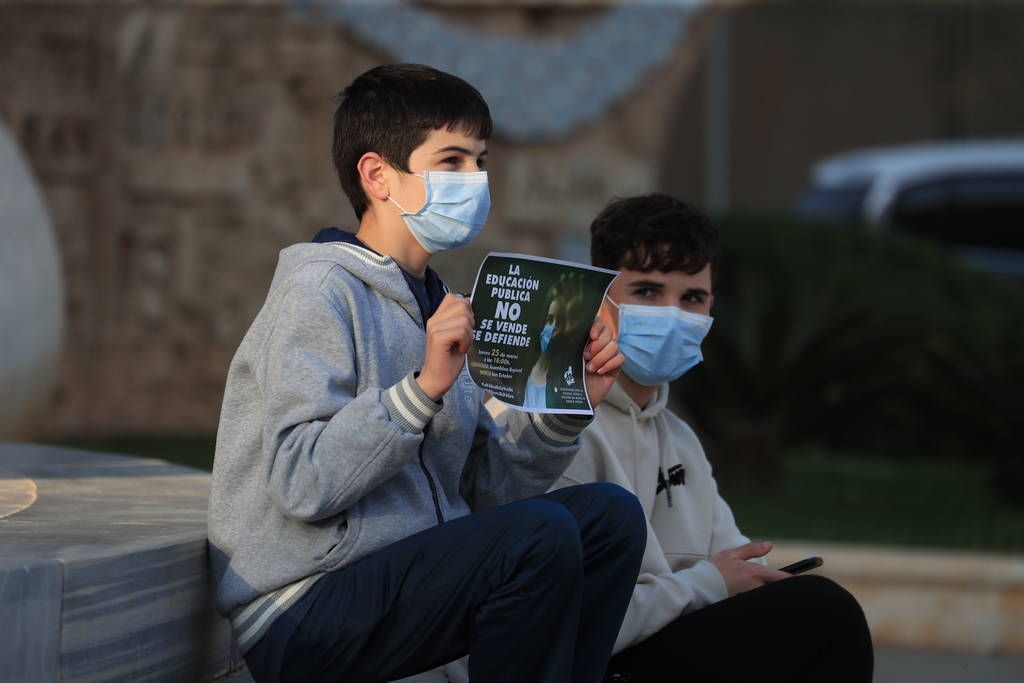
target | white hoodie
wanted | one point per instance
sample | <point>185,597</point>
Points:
<point>654,454</point>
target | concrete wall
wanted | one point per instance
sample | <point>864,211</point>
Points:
<point>180,146</point>
<point>928,600</point>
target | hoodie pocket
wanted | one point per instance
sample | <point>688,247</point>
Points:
<point>337,538</point>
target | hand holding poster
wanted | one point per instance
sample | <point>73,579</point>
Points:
<point>533,319</point>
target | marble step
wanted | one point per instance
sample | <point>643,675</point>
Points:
<point>103,575</point>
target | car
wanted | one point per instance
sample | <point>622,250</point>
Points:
<point>967,195</point>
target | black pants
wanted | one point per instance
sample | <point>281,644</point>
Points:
<point>534,591</point>
<point>807,628</point>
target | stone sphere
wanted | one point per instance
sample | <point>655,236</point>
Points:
<point>31,291</point>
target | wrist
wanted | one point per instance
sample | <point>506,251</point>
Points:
<point>427,387</point>
<point>408,405</point>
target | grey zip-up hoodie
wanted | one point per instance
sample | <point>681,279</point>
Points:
<point>328,450</point>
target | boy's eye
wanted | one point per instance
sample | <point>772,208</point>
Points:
<point>481,163</point>
<point>450,161</point>
<point>643,292</point>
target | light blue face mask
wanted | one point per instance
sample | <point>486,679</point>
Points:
<point>454,212</point>
<point>545,337</point>
<point>660,343</point>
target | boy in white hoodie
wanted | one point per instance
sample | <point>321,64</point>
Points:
<point>704,594</point>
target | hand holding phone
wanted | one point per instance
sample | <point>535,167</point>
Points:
<point>741,575</point>
<point>803,565</point>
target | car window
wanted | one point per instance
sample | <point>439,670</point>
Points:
<point>975,211</point>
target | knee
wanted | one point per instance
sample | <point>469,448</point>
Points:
<point>551,529</point>
<point>830,603</point>
<point>825,593</point>
<point>546,516</point>
<point>621,514</point>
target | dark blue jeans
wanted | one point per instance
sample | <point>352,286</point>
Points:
<point>534,591</point>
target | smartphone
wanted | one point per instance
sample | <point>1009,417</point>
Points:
<point>803,565</point>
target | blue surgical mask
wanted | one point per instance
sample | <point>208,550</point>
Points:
<point>660,343</point>
<point>545,337</point>
<point>454,212</point>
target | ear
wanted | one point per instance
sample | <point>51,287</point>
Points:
<point>372,176</point>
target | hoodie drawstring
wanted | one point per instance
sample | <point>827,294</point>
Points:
<point>636,444</point>
<point>668,481</point>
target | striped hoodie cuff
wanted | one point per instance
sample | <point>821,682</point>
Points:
<point>408,405</point>
<point>559,430</point>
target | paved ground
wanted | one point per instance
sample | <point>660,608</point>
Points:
<point>903,666</point>
<point>907,666</point>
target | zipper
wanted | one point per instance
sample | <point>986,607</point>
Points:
<point>430,481</point>
<point>423,464</point>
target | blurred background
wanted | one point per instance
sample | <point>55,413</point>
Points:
<point>864,162</point>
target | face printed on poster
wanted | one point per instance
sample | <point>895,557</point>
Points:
<point>533,318</point>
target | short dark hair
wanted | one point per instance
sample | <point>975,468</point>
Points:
<point>653,232</point>
<point>391,109</point>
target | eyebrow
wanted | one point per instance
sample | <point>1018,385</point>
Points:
<point>651,284</point>
<point>460,150</point>
<point>646,283</point>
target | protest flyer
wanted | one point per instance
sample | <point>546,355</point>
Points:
<point>533,319</point>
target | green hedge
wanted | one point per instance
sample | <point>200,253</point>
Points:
<point>853,339</point>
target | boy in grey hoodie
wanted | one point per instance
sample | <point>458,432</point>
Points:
<point>367,517</point>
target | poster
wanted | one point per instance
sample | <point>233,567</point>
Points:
<point>533,318</point>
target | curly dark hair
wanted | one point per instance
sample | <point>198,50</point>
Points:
<point>391,109</point>
<point>653,232</point>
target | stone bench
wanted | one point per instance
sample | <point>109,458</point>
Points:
<point>103,573</point>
